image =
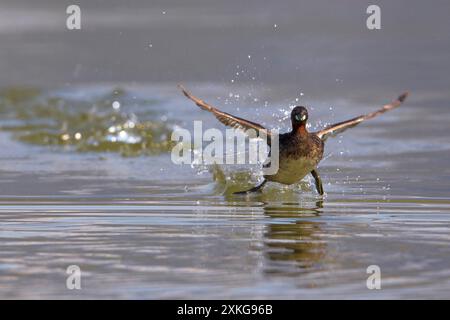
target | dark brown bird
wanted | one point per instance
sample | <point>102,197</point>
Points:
<point>300,151</point>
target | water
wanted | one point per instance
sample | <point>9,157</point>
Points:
<point>86,176</point>
<point>141,227</point>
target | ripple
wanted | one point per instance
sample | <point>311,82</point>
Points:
<point>54,119</point>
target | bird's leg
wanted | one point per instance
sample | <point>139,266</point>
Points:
<point>254,189</point>
<point>319,186</point>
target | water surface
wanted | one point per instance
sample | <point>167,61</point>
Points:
<point>86,176</point>
<point>140,226</point>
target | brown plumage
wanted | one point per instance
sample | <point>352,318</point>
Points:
<point>337,128</point>
<point>226,118</point>
<point>300,151</point>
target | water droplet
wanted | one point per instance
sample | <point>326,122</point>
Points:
<point>116,105</point>
<point>130,124</point>
<point>123,134</point>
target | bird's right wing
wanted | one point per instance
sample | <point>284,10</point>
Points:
<point>226,118</point>
<point>337,128</point>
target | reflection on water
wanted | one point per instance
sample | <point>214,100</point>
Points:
<point>143,227</point>
<point>295,241</point>
<point>86,177</point>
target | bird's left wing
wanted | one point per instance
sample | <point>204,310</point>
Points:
<point>337,128</point>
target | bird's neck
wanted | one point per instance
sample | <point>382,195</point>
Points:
<point>299,129</point>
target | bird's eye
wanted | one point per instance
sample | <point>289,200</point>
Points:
<point>297,117</point>
<point>303,118</point>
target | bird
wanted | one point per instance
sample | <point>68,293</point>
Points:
<point>300,151</point>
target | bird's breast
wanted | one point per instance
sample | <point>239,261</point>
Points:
<point>297,158</point>
<point>292,170</point>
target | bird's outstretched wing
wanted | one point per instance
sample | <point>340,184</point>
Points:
<point>226,118</point>
<point>337,128</point>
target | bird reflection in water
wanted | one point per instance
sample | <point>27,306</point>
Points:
<point>291,241</point>
<point>292,244</point>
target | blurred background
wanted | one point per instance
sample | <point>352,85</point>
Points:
<point>320,46</point>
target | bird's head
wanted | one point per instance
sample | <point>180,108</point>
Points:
<point>299,117</point>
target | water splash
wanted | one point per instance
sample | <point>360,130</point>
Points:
<point>229,181</point>
<point>112,122</point>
